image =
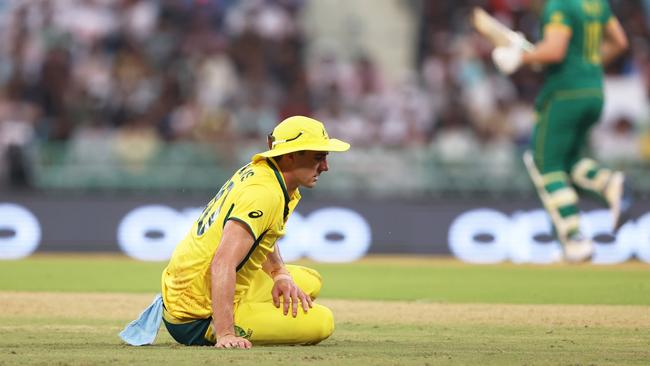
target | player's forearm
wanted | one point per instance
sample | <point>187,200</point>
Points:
<point>610,51</point>
<point>222,295</point>
<point>552,48</point>
<point>615,41</point>
<point>544,53</point>
<point>274,265</point>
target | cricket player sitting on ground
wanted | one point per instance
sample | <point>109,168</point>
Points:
<point>570,103</point>
<point>226,284</point>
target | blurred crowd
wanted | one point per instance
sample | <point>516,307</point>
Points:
<point>479,107</point>
<point>124,77</point>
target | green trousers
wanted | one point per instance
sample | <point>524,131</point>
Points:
<point>559,142</point>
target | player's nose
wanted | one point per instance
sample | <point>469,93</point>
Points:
<point>323,166</point>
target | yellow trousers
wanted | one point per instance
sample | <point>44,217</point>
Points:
<point>257,319</point>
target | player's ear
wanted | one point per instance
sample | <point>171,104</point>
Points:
<point>292,157</point>
<point>269,141</point>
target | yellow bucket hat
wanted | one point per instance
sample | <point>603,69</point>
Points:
<point>300,133</point>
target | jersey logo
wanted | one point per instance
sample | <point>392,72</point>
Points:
<point>592,8</point>
<point>240,332</point>
<point>255,214</point>
<point>557,18</point>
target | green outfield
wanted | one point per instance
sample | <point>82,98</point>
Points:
<point>67,310</point>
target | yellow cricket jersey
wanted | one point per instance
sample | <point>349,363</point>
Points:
<point>256,196</point>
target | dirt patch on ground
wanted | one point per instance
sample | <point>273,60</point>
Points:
<point>383,259</point>
<point>497,314</point>
<point>448,261</point>
<point>115,306</point>
<point>73,305</point>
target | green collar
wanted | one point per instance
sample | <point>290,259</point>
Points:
<point>280,179</point>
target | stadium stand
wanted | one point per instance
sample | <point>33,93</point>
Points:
<point>164,94</point>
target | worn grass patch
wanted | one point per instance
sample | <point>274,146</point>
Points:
<point>81,329</point>
<point>67,310</point>
<point>374,278</point>
<point>123,306</point>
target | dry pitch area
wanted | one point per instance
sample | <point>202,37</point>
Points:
<point>81,329</point>
<point>126,306</point>
<point>68,310</point>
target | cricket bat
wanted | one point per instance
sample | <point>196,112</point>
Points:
<point>496,32</point>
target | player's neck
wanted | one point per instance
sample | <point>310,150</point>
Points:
<point>290,179</point>
<point>291,182</point>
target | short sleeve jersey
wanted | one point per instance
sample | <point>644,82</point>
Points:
<point>584,20</point>
<point>256,196</point>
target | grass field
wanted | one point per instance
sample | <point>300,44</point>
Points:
<point>67,310</point>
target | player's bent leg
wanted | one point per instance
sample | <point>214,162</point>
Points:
<point>309,281</point>
<point>619,198</point>
<point>190,333</point>
<point>589,176</point>
<point>560,200</point>
<point>267,325</point>
<point>557,196</point>
<point>609,186</point>
<point>198,332</point>
<point>313,327</point>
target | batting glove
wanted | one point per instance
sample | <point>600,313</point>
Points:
<point>517,39</point>
<point>507,59</point>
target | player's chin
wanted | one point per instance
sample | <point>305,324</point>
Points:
<point>311,183</point>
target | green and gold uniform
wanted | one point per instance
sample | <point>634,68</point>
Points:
<point>568,105</point>
<point>256,196</point>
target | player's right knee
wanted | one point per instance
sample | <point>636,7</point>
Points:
<point>308,279</point>
<point>323,327</point>
<point>587,174</point>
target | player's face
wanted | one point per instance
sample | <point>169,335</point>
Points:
<point>309,166</point>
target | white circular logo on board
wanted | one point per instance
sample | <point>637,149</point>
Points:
<point>20,231</point>
<point>331,234</point>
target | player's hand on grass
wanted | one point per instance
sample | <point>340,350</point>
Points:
<point>232,341</point>
<point>291,294</point>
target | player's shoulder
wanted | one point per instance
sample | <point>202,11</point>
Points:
<point>260,196</point>
<point>259,179</point>
<point>563,11</point>
<point>566,5</point>
<point>254,173</point>
<point>261,188</point>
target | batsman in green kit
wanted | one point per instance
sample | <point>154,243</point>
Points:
<point>578,37</point>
